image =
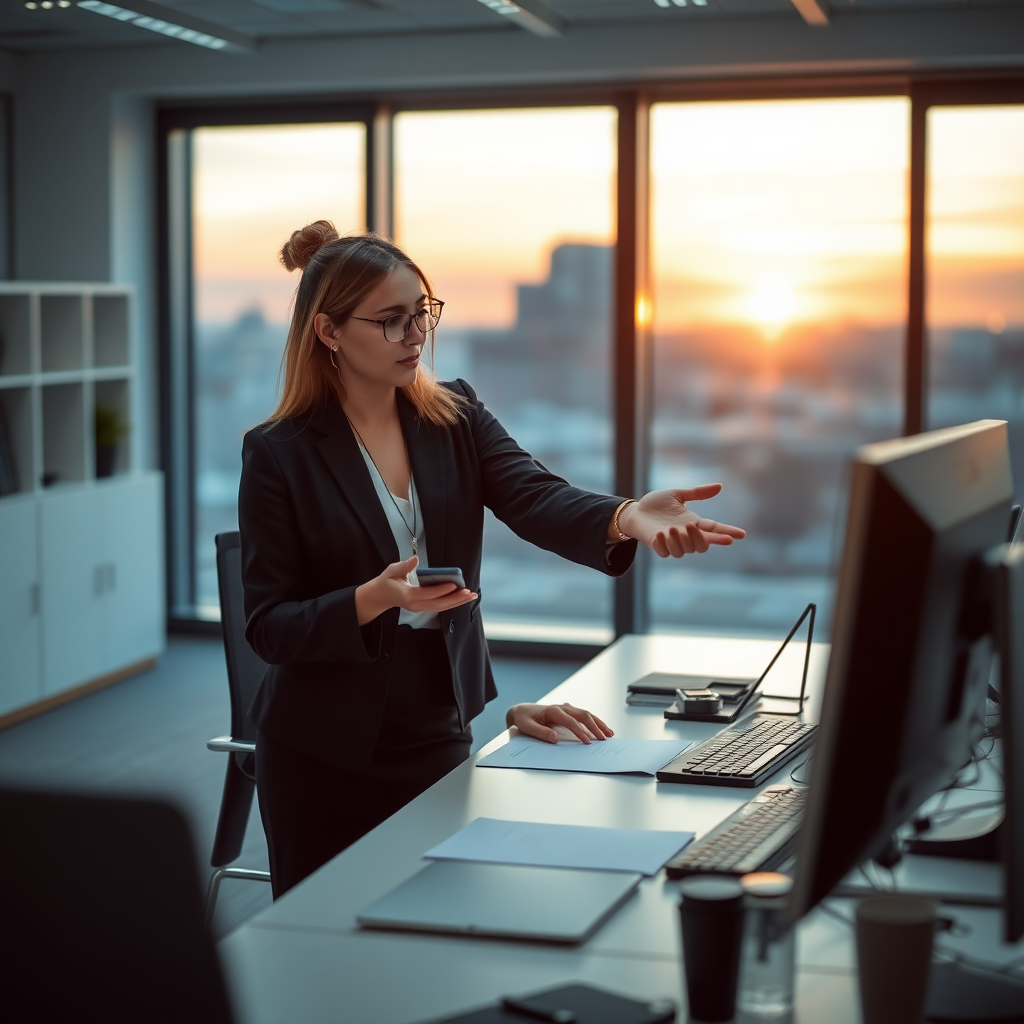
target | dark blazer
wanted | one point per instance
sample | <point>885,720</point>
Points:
<point>313,529</point>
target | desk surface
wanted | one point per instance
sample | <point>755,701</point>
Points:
<point>305,959</point>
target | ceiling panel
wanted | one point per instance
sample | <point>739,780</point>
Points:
<point>22,29</point>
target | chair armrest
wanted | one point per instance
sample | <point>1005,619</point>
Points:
<point>226,745</point>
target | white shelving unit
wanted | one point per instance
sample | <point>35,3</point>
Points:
<point>81,558</point>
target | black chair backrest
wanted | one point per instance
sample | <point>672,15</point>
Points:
<point>245,668</point>
<point>101,914</point>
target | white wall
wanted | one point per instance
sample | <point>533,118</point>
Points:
<point>84,140</point>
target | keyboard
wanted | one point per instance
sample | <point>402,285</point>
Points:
<point>760,836</point>
<point>744,754</point>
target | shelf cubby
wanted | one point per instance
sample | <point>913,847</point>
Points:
<point>15,335</point>
<point>110,330</point>
<point>63,433</point>
<point>114,395</point>
<point>16,435</point>
<point>62,338</point>
<point>64,349</point>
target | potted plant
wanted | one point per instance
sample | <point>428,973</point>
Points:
<point>111,427</point>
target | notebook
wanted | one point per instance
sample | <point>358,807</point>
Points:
<point>504,900</point>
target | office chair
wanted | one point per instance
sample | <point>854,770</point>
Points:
<point>102,914</point>
<point>245,672</point>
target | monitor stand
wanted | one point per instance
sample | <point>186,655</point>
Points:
<point>978,837</point>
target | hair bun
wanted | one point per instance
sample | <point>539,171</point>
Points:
<point>302,246</point>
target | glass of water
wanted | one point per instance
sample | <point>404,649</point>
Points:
<point>767,958</point>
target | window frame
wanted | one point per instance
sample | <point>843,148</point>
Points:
<point>631,340</point>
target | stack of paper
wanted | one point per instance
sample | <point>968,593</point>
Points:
<point>607,757</point>
<point>490,840</point>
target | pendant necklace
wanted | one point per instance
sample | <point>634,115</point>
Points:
<point>401,514</point>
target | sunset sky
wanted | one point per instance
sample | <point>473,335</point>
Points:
<point>766,213</point>
<point>976,202</point>
<point>482,197</point>
<point>772,212</point>
<point>252,187</point>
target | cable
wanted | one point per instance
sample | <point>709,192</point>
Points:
<point>1009,968</point>
<point>874,882</point>
<point>804,764</point>
<point>962,812</point>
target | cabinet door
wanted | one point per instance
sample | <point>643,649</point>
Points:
<point>72,590</point>
<point>131,530</point>
<point>19,607</point>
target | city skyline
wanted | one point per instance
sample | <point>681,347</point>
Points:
<point>769,213</point>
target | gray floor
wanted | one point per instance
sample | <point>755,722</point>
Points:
<point>148,735</point>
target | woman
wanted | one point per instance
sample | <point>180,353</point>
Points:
<point>367,469</point>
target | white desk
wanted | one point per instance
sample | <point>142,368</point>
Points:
<point>304,959</point>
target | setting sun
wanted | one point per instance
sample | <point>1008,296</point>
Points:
<point>772,303</point>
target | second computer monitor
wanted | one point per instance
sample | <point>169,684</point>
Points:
<point>911,642</point>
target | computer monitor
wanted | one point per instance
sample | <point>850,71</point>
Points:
<point>1007,563</point>
<point>912,647</point>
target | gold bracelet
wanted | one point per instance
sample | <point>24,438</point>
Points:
<point>615,520</point>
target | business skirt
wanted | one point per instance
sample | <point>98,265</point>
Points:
<point>312,811</point>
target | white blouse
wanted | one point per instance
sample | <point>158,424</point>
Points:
<point>411,511</point>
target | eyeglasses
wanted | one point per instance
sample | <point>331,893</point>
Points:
<point>396,327</point>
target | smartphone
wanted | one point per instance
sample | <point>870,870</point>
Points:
<point>432,577</point>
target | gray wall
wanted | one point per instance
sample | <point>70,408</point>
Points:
<point>83,160</point>
<point>9,68</point>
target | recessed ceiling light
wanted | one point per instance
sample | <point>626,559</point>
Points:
<point>149,16</point>
<point>46,4</point>
<point>31,6</point>
<point>663,3</point>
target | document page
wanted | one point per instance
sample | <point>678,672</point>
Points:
<point>605,757</point>
<point>491,840</point>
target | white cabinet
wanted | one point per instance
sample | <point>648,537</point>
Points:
<point>20,682</point>
<point>81,527</point>
<point>72,613</point>
<point>132,557</point>
<point>102,579</point>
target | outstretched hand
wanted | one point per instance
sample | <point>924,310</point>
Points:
<point>663,521</point>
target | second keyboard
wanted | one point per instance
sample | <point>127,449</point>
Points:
<point>744,754</point>
<point>760,836</point>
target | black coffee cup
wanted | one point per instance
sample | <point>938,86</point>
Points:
<point>711,914</point>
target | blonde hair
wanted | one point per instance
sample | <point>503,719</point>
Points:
<point>337,274</point>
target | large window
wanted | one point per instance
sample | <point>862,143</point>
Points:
<point>779,239</point>
<point>975,284</point>
<point>511,213</point>
<point>819,271</point>
<point>251,188</point>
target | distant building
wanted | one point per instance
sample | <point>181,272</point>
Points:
<point>559,349</point>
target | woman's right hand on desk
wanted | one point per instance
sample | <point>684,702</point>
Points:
<point>392,589</point>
